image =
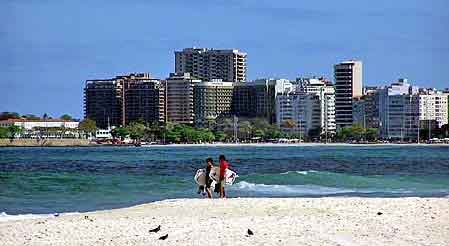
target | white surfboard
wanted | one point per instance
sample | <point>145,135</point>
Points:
<point>230,175</point>
<point>200,176</point>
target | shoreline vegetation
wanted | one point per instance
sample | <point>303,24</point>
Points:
<point>221,130</point>
<point>273,221</point>
<point>88,143</point>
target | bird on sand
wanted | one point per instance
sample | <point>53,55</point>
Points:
<point>250,233</point>
<point>164,237</point>
<point>155,229</point>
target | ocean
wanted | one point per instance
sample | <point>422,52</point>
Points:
<point>78,179</point>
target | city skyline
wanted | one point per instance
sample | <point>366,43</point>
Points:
<point>44,70</point>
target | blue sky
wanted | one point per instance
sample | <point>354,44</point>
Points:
<point>50,47</point>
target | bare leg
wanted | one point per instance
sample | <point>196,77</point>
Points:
<point>209,193</point>
<point>222,192</point>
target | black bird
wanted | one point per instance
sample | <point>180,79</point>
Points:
<point>155,229</point>
<point>250,233</point>
<point>163,237</point>
<point>379,213</point>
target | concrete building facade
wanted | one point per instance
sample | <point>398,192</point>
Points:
<point>433,106</point>
<point>311,106</point>
<point>348,77</point>
<point>124,99</point>
<point>212,100</point>
<point>27,124</point>
<point>180,98</point>
<point>399,111</point>
<point>208,64</point>
<point>366,110</point>
<point>258,98</point>
<point>103,102</point>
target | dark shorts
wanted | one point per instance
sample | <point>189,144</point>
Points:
<point>208,183</point>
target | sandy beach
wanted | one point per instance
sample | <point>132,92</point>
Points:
<point>274,221</point>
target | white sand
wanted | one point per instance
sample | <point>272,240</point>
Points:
<point>289,221</point>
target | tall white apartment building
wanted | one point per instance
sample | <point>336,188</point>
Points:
<point>311,107</point>
<point>209,64</point>
<point>348,77</point>
<point>433,105</point>
<point>399,111</point>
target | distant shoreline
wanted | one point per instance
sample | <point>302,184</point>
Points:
<point>289,145</point>
<point>87,143</point>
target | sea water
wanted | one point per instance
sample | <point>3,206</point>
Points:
<point>76,179</point>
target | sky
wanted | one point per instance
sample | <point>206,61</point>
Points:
<point>50,47</point>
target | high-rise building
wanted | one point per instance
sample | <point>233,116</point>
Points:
<point>212,100</point>
<point>311,107</point>
<point>102,102</point>
<point>399,111</point>
<point>209,64</point>
<point>124,99</point>
<point>143,99</point>
<point>348,77</point>
<point>179,96</point>
<point>258,98</point>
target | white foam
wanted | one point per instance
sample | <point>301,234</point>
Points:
<point>288,189</point>
<point>300,172</point>
<point>7,217</point>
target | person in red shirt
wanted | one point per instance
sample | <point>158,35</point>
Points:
<point>223,166</point>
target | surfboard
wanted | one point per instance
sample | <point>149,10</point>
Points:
<point>230,175</point>
<point>200,176</point>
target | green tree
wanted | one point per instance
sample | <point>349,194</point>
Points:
<point>208,136</point>
<point>220,136</point>
<point>273,132</point>
<point>226,125</point>
<point>136,130</point>
<point>4,132</point>
<point>88,126</point>
<point>14,131</point>
<point>66,117</point>
<point>172,133</point>
<point>260,123</point>
<point>357,131</point>
<point>371,134</point>
<point>153,131</point>
<point>120,132</point>
<point>245,129</point>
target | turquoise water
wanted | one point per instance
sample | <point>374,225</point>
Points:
<point>49,180</point>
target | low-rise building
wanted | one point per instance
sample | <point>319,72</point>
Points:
<point>27,124</point>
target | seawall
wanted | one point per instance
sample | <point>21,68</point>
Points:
<point>43,142</point>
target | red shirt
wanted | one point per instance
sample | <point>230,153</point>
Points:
<point>223,166</point>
